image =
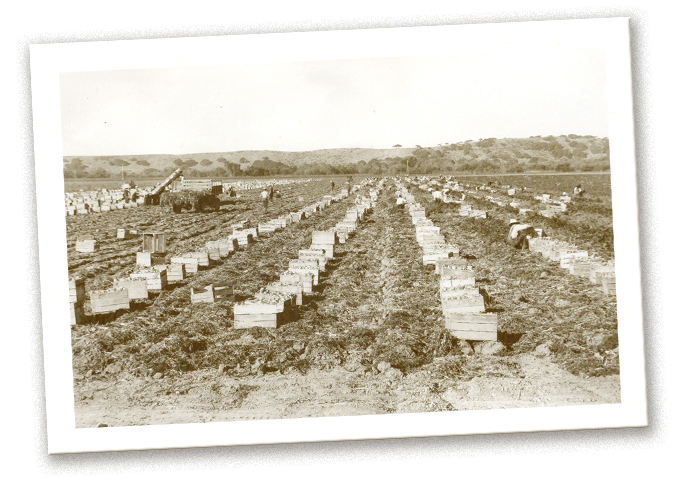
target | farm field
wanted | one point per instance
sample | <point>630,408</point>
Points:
<point>589,221</point>
<point>94,184</point>
<point>597,185</point>
<point>370,339</point>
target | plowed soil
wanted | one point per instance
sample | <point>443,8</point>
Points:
<point>369,340</point>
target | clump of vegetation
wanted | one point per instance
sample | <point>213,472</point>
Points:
<point>190,200</point>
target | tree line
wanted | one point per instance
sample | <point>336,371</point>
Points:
<point>550,153</point>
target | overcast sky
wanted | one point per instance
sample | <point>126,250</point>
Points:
<point>373,103</point>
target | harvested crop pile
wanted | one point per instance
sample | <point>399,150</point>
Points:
<point>190,200</point>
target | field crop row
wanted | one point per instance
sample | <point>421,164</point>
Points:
<point>185,232</point>
<point>168,334</point>
<point>541,303</point>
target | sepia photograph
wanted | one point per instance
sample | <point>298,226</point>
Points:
<point>429,231</point>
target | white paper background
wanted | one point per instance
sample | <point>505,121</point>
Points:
<point>23,390</point>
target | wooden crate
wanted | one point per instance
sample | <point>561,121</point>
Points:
<point>267,229</point>
<point>348,226</point>
<point>296,216</point>
<point>223,291</point>
<point>252,308</point>
<point>295,289</point>
<point>268,321</point>
<point>202,258</point>
<point>600,270</point>
<point>175,272</point>
<point>581,267</point>
<point>305,279</point>
<point>89,245</point>
<point>472,326</point>
<point>191,264</point>
<point>452,263</point>
<point>154,280</point>
<point>538,244</point>
<point>447,273</point>
<point>280,221</point>
<point>232,243</point>
<point>77,316</point>
<point>76,291</point>
<point>457,282</point>
<point>566,259</point>
<point>430,238</point>
<point>328,248</point>
<point>430,230</point>
<point>311,254</point>
<point>324,237</point>
<point>196,184</point>
<point>103,302</point>
<point>608,284</point>
<point>449,293</point>
<point>150,259</point>
<point>462,304</point>
<point>244,240</point>
<point>202,296</point>
<point>432,258</point>
<point>343,236</point>
<point>251,230</point>
<point>137,288</point>
<point>154,242</point>
<point>222,247</point>
<point>353,216</point>
<point>213,253</point>
<point>304,266</point>
<point>421,221</point>
<point>546,248</point>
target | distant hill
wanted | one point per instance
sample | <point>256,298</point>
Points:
<point>138,164</point>
<point>561,153</point>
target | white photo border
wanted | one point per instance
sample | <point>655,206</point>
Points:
<point>49,60</point>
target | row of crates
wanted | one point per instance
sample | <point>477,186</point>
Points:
<point>575,260</point>
<point>156,271</point>
<point>462,302</point>
<point>275,305</point>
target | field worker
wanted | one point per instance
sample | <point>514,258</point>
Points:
<point>578,191</point>
<point>332,186</point>
<point>519,235</point>
<point>265,198</point>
